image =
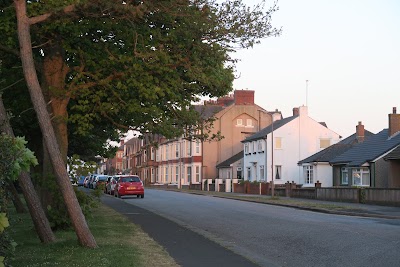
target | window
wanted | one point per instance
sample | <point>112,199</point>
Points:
<point>249,123</point>
<point>246,148</point>
<point>152,175</point>
<point>166,174</point>
<point>157,178</point>
<point>152,153</point>
<point>166,152</point>
<point>177,150</point>
<point>162,174</point>
<point>324,143</point>
<point>239,122</point>
<point>197,146</point>
<point>172,177</point>
<point>260,145</point>
<point>239,172</point>
<point>262,172</point>
<point>144,155</point>
<point>345,176</point>
<point>361,177</point>
<point>189,148</point>
<point>177,173</point>
<point>189,174</point>
<point>278,142</point>
<point>197,177</point>
<point>249,173</point>
<point>161,153</point>
<point>308,174</point>
<point>158,155</point>
<point>278,172</point>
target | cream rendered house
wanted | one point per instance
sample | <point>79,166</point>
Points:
<point>184,162</point>
<point>291,139</point>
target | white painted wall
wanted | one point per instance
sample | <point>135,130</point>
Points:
<point>300,139</point>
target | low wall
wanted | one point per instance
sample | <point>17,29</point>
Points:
<point>308,193</point>
<point>381,196</point>
<point>195,186</point>
<point>338,194</point>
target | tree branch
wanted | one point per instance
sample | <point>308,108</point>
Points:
<point>45,16</point>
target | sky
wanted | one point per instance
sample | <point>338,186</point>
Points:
<point>348,50</point>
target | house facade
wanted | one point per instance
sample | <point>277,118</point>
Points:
<point>272,154</point>
<point>182,161</point>
<point>318,163</point>
<point>365,164</point>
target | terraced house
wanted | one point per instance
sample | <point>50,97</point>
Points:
<point>185,162</point>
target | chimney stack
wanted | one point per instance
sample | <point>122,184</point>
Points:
<point>360,132</point>
<point>244,97</point>
<point>394,122</point>
<point>296,112</point>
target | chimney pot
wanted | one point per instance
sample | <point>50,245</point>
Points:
<point>394,110</point>
<point>360,132</point>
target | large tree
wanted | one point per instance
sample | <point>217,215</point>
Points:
<point>107,66</point>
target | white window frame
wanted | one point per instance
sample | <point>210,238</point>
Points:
<point>197,174</point>
<point>166,174</point>
<point>358,175</point>
<point>278,170</point>
<point>189,173</point>
<point>260,146</point>
<point>144,155</point>
<point>308,171</point>
<point>152,153</point>
<point>177,173</point>
<point>262,173</point>
<point>249,123</point>
<point>248,173</point>
<point>246,148</point>
<point>197,146</point>
<point>177,150</point>
<point>239,122</point>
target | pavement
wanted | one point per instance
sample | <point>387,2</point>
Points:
<point>194,250</point>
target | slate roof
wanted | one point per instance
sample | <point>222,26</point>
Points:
<point>208,111</point>
<point>231,160</point>
<point>369,150</point>
<point>335,150</point>
<point>264,132</point>
<point>395,154</point>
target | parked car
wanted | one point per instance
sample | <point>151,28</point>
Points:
<point>99,180</point>
<point>129,185</point>
<point>110,186</point>
<point>91,180</point>
<point>80,180</point>
<point>86,182</point>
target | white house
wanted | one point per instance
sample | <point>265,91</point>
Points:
<point>293,139</point>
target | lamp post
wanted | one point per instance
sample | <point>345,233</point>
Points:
<point>272,159</point>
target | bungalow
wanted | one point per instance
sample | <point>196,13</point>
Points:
<point>365,164</point>
<point>293,138</point>
<point>318,164</point>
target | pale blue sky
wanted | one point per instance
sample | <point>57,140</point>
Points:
<point>349,50</point>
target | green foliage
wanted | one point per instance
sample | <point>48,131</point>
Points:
<point>78,167</point>
<point>7,245</point>
<point>14,157</point>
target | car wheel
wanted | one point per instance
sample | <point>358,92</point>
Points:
<point>142,196</point>
<point>137,196</point>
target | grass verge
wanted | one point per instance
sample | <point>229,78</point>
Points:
<point>120,242</point>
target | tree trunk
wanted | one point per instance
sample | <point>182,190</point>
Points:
<point>82,230</point>
<point>38,215</point>
<point>19,206</point>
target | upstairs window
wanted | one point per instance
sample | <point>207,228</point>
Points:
<point>249,123</point>
<point>324,143</point>
<point>278,142</point>
<point>239,122</point>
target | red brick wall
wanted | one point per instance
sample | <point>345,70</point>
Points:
<point>244,97</point>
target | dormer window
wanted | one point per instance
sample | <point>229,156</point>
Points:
<point>249,123</point>
<point>239,122</point>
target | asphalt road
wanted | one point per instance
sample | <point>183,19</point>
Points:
<point>280,236</point>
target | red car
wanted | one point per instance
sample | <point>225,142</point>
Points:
<point>129,185</point>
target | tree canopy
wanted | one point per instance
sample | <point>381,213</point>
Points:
<point>135,64</point>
